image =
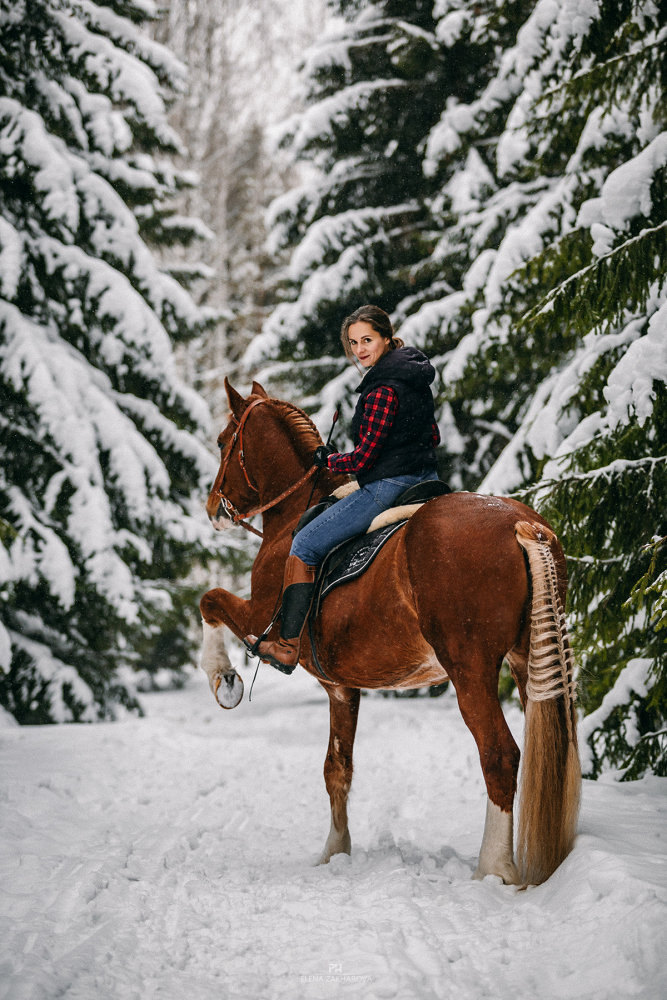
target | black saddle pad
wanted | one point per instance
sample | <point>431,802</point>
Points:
<point>350,559</point>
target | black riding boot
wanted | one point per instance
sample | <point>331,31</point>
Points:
<point>299,585</point>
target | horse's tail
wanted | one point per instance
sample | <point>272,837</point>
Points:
<point>551,773</point>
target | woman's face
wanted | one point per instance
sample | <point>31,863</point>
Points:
<point>367,345</point>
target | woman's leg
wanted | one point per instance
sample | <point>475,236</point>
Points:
<point>344,519</point>
<point>349,517</point>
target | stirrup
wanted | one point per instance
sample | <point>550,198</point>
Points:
<point>253,649</point>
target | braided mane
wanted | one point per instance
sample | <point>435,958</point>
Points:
<point>303,433</point>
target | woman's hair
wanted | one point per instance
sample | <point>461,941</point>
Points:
<point>375,317</point>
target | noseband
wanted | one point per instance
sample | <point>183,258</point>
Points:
<point>231,512</point>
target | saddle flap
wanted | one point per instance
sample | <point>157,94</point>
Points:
<point>350,559</point>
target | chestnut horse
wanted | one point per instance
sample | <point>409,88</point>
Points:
<point>468,582</point>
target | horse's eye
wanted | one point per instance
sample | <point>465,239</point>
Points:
<point>221,445</point>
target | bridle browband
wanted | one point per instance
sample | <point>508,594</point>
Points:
<point>230,510</point>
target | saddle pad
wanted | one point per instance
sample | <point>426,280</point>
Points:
<point>350,559</point>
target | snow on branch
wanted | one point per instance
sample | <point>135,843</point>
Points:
<point>317,122</point>
<point>632,681</point>
<point>336,232</point>
<point>57,678</point>
<point>121,75</point>
<point>625,194</point>
<point>125,35</point>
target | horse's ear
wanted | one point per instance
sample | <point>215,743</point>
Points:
<point>259,390</point>
<point>237,403</point>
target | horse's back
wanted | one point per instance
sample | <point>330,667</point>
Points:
<point>473,536</point>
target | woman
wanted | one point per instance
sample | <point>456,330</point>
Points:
<point>395,435</point>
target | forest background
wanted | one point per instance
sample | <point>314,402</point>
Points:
<point>206,189</point>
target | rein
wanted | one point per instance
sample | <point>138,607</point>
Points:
<point>230,510</point>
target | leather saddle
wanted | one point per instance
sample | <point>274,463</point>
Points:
<point>351,558</point>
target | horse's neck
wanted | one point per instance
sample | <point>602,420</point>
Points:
<point>285,516</point>
<point>279,522</point>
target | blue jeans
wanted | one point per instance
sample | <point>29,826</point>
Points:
<point>350,516</point>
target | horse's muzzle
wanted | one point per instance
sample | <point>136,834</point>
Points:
<point>221,519</point>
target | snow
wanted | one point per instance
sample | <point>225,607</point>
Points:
<point>173,856</point>
<point>57,678</point>
<point>123,75</point>
<point>552,426</point>
<point>632,680</point>
<point>630,386</point>
<point>331,234</point>
<point>469,186</point>
<point>626,193</point>
<point>319,120</point>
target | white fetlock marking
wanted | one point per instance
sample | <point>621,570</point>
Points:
<point>214,660</point>
<point>496,855</point>
<point>337,843</point>
<point>225,683</point>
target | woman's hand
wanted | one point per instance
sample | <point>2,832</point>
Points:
<point>321,455</point>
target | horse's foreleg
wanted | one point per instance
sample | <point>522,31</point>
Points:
<point>224,682</point>
<point>477,694</point>
<point>343,712</point>
<point>220,608</point>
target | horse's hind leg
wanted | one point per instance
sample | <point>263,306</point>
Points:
<point>343,711</point>
<point>477,692</point>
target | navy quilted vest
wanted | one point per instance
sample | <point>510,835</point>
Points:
<point>407,449</point>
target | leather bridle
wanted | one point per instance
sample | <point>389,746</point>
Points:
<point>228,507</point>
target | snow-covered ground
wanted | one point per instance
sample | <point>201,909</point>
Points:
<point>172,857</point>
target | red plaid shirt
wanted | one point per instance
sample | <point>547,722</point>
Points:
<point>379,413</point>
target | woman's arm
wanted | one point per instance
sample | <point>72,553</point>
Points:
<point>380,411</point>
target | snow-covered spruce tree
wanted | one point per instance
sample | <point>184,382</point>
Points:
<point>565,354</point>
<point>476,203</point>
<point>356,229</point>
<point>101,445</point>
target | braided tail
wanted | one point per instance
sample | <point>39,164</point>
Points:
<point>551,774</point>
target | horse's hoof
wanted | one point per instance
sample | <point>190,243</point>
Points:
<point>341,844</point>
<point>228,690</point>
<point>508,872</point>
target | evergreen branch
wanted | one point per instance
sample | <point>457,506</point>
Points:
<point>582,290</point>
<point>591,561</point>
<point>645,737</point>
<point>591,74</point>
<point>615,468</point>
<point>648,582</point>
<point>495,427</point>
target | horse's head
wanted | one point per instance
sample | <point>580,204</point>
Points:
<point>234,492</point>
<point>266,460</point>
